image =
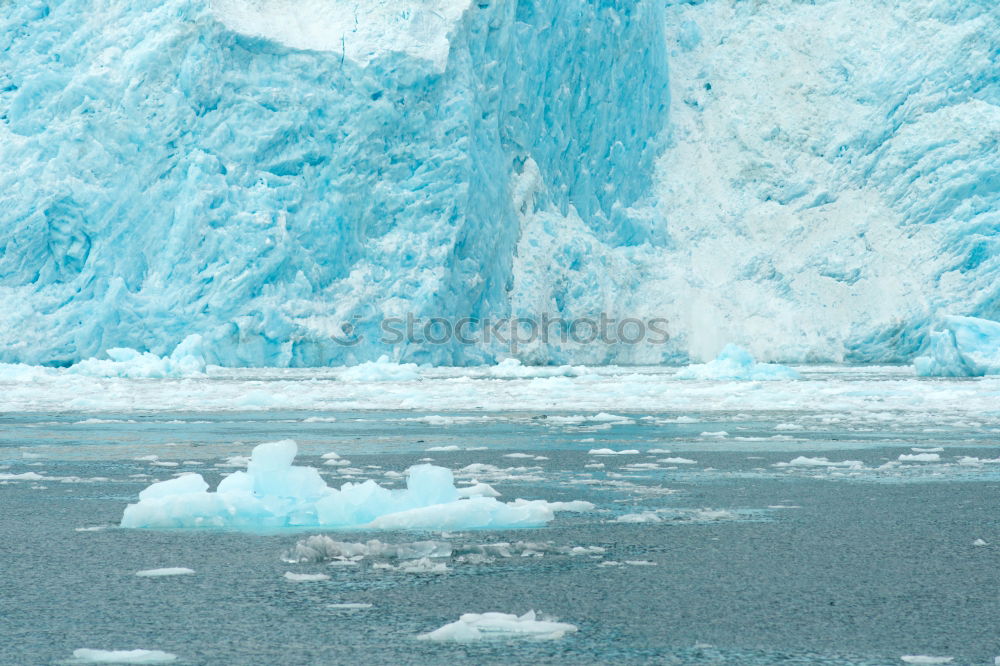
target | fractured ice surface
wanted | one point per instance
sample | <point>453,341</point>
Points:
<point>736,363</point>
<point>499,626</point>
<point>967,347</point>
<point>279,174</point>
<point>272,493</point>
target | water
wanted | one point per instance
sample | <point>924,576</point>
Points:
<point>805,565</point>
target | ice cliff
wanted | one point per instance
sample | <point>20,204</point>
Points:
<point>812,181</point>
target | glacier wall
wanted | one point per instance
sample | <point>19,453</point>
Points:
<point>813,181</point>
<point>262,172</point>
<point>832,180</point>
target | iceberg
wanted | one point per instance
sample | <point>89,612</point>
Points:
<point>273,494</point>
<point>967,347</point>
<point>736,363</point>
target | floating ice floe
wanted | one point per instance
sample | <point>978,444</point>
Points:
<point>382,370</point>
<point>920,457</point>
<point>967,347</point>
<point>486,626</point>
<point>89,656</point>
<point>612,452</point>
<point>803,461</point>
<point>736,363</point>
<point>272,493</point>
<point>167,571</point>
<point>305,578</point>
<point>187,360</point>
<point>924,659</point>
<point>677,461</point>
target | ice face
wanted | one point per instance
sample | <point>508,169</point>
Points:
<point>279,176</point>
<point>967,347</point>
<point>272,174</point>
<point>272,493</point>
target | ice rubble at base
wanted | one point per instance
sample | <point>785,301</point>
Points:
<point>736,363</point>
<point>499,626</point>
<point>272,493</point>
<point>90,656</point>
<point>382,370</point>
<point>967,347</point>
<point>187,360</point>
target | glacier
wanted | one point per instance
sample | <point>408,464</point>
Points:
<point>275,494</point>
<point>810,181</point>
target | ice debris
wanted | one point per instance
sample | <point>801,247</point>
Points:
<point>187,360</point>
<point>272,493</point>
<point>382,370</point>
<point>736,363</point>
<point>475,627</point>
<point>967,347</point>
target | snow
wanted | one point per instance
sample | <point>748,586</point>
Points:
<point>363,30</point>
<point>273,493</point>
<point>967,347</point>
<point>736,363</point>
<point>167,571</point>
<point>499,626</point>
<point>90,656</point>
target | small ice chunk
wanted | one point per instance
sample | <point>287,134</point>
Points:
<point>640,563</point>
<point>167,571</point>
<point>736,363</point>
<point>443,449</point>
<point>612,452</point>
<point>644,517</point>
<point>518,455</point>
<point>718,434</point>
<point>924,659</point>
<point>979,542</point>
<point>936,449</point>
<point>305,578</point>
<point>478,490</point>
<point>803,461</point>
<point>349,606</point>
<point>486,626</point>
<point>677,461</point>
<point>920,457</point>
<point>89,656</point>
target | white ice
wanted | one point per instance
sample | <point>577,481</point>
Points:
<point>475,627</point>
<point>167,571</point>
<point>967,347</point>
<point>90,656</point>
